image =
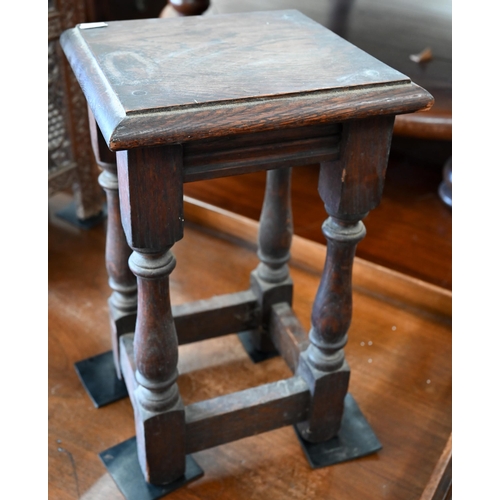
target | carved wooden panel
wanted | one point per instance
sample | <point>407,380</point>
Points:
<point>60,155</point>
<point>70,158</point>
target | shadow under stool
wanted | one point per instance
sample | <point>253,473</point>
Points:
<point>185,99</point>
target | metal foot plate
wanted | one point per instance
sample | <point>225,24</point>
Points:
<point>123,465</point>
<point>355,439</point>
<point>255,355</point>
<point>98,376</point>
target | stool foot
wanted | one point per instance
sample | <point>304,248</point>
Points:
<point>68,213</point>
<point>355,439</point>
<point>123,465</point>
<point>98,376</point>
<point>255,355</point>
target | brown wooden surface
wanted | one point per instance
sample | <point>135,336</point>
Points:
<point>169,63</point>
<point>288,335</point>
<point>218,315</point>
<point>160,81</point>
<point>392,31</point>
<point>401,377</point>
<point>236,154</point>
<point>439,486</point>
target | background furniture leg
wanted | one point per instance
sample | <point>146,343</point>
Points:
<point>101,375</point>
<point>271,280</point>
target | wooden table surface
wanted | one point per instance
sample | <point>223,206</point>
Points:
<point>399,352</point>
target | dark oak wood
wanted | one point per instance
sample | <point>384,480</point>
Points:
<point>156,85</point>
<point>214,317</point>
<point>151,230</point>
<point>391,31</point>
<point>350,188</point>
<point>230,417</point>
<point>236,154</point>
<point>275,228</point>
<point>163,78</point>
<point>271,280</point>
<point>287,334</point>
<point>123,300</point>
<point>159,410</point>
<point>353,186</point>
<point>240,90</point>
<point>311,256</point>
<point>217,316</point>
<point>145,175</point>
<point>412,418</point>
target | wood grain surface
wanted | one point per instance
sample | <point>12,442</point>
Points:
<point>167,63</point>
<point>392,31</point>
<point>401,378</point>
<point>164,81</point>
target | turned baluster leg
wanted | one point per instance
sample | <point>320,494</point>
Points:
<point>271,280</point>
<point>152,213</point>
<point>350,188</point>
<point>123,300</point>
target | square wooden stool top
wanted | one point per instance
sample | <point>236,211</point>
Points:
<point>163,81</point>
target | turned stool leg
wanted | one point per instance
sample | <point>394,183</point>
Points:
<point>271,280</point>
<point>327,369</point>
<point>123,300</point>
<point>350,188</point>
<point>159,411</point>
<point>151,205</point>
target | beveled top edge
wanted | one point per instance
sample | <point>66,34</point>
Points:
<point>83,64</point>
<point>238,117</point>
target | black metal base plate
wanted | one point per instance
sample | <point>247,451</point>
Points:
<point>255,355</point>
<point>355,439</point>
<point>98,376</point>
<point>123,465</point>
<point>68,213</point>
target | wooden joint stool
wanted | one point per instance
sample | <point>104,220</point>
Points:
<point>186,99</point>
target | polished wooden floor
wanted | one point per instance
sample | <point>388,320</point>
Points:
<point>399,352</point>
